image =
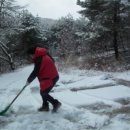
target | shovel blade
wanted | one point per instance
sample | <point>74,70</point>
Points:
<point>2,113</point>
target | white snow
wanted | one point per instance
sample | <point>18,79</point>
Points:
<point>93,105</point>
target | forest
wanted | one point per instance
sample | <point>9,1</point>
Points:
<point>99,39</point>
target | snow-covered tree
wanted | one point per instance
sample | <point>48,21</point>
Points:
<point>30,33</point>
<point>62,36</point>
<point>8,11</point>
<point>108,16</point>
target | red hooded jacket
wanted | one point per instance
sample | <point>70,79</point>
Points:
<point>47,71</point>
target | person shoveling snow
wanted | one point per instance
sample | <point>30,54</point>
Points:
<point>46,71</point>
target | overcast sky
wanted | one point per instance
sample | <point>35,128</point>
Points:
<point>52,8</point>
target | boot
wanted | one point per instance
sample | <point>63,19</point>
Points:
<point>56,106</point>
<point>44,107</point>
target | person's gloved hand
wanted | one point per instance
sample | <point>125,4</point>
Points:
<point>27,83</point>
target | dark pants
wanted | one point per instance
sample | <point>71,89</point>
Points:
<point>45,94</point>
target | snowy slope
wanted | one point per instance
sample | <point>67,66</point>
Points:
<point>90,101</point>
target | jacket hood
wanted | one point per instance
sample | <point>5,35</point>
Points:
<point>39,52</point>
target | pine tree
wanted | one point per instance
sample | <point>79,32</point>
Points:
<point>30,32</point>
<point>92,8</point>
<point>109,14</point>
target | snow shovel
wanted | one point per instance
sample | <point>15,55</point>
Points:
<point>7,108</point>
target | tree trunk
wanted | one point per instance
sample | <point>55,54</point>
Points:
<point>115,33</point>
<point>116,45</point>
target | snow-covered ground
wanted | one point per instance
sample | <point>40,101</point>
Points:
<point>91,100</point>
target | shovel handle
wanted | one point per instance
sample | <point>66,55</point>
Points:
<point>17,95</point>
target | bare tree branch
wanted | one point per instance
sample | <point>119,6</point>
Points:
<point>5,49</point>
<point>3,58</point>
